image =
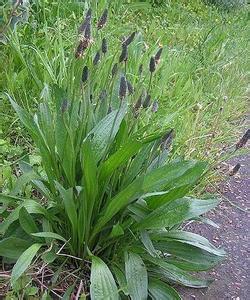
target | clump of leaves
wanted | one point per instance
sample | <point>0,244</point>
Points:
<point>108,192</point>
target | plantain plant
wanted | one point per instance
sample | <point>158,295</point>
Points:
<point>107,194</point>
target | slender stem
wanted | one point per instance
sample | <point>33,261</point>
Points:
<point>150,81</point>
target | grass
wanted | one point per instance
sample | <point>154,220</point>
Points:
<point>203,75</point>
<point>200,86</point>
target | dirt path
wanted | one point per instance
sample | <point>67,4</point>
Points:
<point>231,277</point>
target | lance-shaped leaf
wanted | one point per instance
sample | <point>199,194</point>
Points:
<point>176,212</point>
<point>103,284</point>
<point>162,291</point>
<point>24,262</point>
<point>105,131</point>
<point>136,276</point>
<point>175,274</point>
<point>13,247</point>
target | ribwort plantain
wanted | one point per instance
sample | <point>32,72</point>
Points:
<point>124,54</point>
<point>96,58</point>
<point>147,101</point>
<point>123,87</point>
<point>114,70</point>
<point>85,21</point>
<point>104,46</point>
<point>167,139</point>
<point>152,64</point>
<point>129,40</point>
<point>243,141</point>
<point>85,74</point>
<point>130,88</point>
<point>103,19</point>
<point>155,106</point>
<point>158,56</point>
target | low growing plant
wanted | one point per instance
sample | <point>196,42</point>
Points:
<point>107,196</point>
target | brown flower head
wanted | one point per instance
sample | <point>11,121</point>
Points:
<point>96,58</point>
<point>123,88</point>
<point>152,64</point>
<point>80,49</point>
<point>104,46</point>
<point>158,56</point>
<point>167,139</point>
<point>124,54</point>
<point>114,70</point>
<point>155,106</point>
<point>103,19</point>
<point>242,142</point>
<point>130,88</point>
<point>235,170</point>
<point>85,21</point>
<point>130,39</point>
<point>85,74</point>
<point>146,102</point>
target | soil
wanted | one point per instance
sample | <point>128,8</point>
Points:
<point>231,276</point>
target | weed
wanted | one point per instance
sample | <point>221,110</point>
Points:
<point>107,192</point>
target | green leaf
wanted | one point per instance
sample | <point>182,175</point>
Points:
<point>46,296</point>
<point>166,176</point>
<point>119,157</point>
<point>31,206</point>
<point>121,279</point>
<point>185,175</point>
<point>129,149</point>
<point>175,274</point>
<point>188,257</point>
<point>25,118</point>
<point>176,212</point>
<point>7,200</point>
<point>49,235</point>
<point>117,230</point>
<point>89,175</point>
<point>159,161</point>
<point>13,247</point>
<point>153,181</point>
<point>49,257</point>
<point>188,238</point>
<point>69,204</point>
<point>69,291</point>
<point>137,164</point>
<point>105,131</point>
<point>24,262</point>
<point>26,221</point>
<point>161,291</point>
<point>102,285</point>
<point>23,180</point>
<point>126,196</point>
<point>145,238</point>
<point>189,251</point>
<point>136,276</point>
<point>32,291</point>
